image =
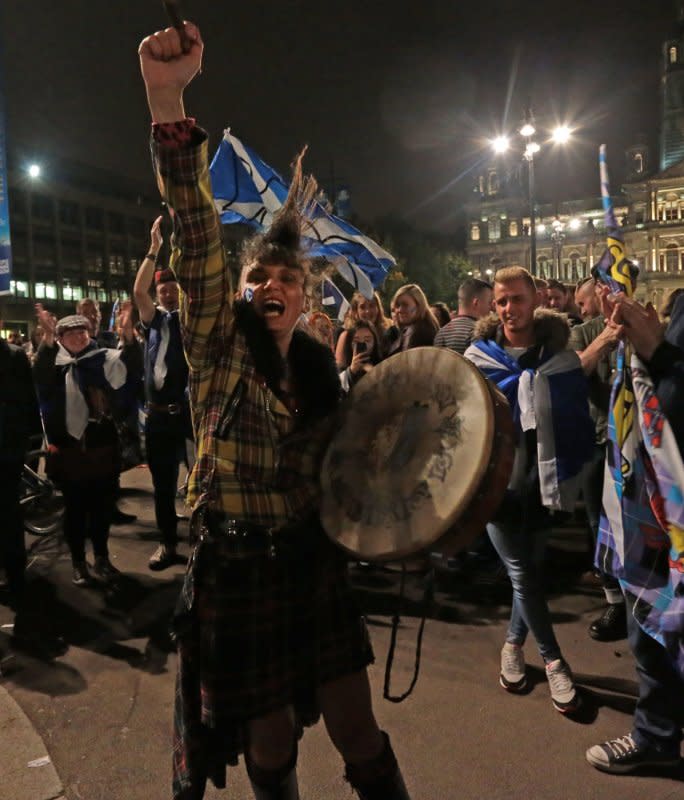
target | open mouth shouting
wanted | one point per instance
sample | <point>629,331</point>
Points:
<point>273,308</point>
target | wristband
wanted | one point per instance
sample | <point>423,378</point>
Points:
<point>152,257</point>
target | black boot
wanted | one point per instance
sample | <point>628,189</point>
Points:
<point>379,779</point>
<point>611,625</point>
<point>274,784</point>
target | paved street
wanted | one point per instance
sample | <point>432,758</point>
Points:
<point>103,708</point>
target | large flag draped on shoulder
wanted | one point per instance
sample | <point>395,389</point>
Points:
<point>641,534</point>
<point>246,189</point>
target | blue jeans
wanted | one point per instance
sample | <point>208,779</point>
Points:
<point>522,553</point>
<point>659,713</point>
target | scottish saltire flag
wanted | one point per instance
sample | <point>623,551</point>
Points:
<point>333,299</point>
<point>246,189</point>
<point>551,399</point>
<point>641,533</point>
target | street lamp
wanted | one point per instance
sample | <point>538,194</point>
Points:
<point>501,144</point>
<point>34,171</point>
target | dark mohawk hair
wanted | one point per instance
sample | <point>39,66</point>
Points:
<point>281,243</point>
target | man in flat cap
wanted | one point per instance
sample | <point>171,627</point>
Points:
<point>77,382</point>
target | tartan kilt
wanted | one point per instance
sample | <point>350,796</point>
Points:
<point>255,635</point>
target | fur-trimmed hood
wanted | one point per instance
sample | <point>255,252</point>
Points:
<point>551,329</point>
<point>312,363</point>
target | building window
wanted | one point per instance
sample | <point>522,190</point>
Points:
<point>672,260</point>
<point>94,218</point>
<point>513,228</point>
<point>41,207</point>
<point>543,264</point>
<point>638,163</point>
<point>673,55</point>
<point>69,213</point>
<point>116,265</point>
<point>494,229</point>
<point>475,232</point>
<point>72,291</point>
<point>19,288</point>
<point>493,183</point>
<point>46,291</point>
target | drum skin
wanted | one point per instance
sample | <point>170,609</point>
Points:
<point>421,460</point>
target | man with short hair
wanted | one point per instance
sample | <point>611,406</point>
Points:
<point>474,302</point>
<point>525,353</point>
<point>90,309</point>
<point>561,299</point>
<point>586,299</point>
<point>167,410</point>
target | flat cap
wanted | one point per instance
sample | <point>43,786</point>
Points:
<point>72,322</point>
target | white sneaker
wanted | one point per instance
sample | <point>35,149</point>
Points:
<point>563,692</point>
<point>512,676</point>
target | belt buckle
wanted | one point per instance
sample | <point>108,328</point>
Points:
<point>173,408</point>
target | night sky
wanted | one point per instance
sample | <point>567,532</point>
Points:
<point>395,99</point>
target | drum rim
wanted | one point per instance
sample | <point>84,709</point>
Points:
<point>475,484</point>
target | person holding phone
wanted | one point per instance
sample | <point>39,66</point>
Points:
<point>362,351</point>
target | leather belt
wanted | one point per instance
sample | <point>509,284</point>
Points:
<point>245,539</point>
<point>171,408</point>
<point>241,539</point>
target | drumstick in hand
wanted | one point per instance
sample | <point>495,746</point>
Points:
<point>176,18</point>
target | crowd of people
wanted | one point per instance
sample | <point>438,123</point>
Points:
<point>242,386</point>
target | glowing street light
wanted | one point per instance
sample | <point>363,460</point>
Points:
<point>500,144</point>
<point>574,224</point>
<point>561,134</point>
<point>34,171</point>
<point>528,130</point>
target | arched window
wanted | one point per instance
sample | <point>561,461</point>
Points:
<point>673,55</point>
<point>672,263</point>
<point>638,163</point>
<point>493,183</point>
<point>574,266</point>
<point>542,266</point>
<point>494,229</point>
<point>475,232</point>
<point>513,228</point>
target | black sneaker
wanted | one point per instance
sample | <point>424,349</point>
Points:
<point>105,569</point>
<point>625,755</point>
<point>611,625</point>
<point>164,556</point>
<point>80,576</point>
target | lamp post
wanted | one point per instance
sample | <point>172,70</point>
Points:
<point>557,237</point>
<point>560,135</point>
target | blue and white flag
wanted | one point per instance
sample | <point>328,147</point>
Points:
<point>246,189</point>
<point>334,299</point>
<point>544,399</point>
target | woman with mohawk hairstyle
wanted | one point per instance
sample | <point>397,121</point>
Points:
<point>268,633</point>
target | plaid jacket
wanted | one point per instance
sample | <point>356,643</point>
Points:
<point>253,461</point>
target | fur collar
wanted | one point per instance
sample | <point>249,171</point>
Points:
<point>551,329</point>
<point>312,363</point>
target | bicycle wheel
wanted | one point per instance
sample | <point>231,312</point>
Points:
<point>43,513</point>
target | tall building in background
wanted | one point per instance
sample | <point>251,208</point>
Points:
<point>570,235</point>
<point>672,123</point>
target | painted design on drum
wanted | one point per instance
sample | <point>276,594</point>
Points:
<point>396,436</point>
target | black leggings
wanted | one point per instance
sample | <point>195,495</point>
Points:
<point>88,507</point>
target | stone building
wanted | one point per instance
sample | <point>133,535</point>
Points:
<point>570,236</point>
